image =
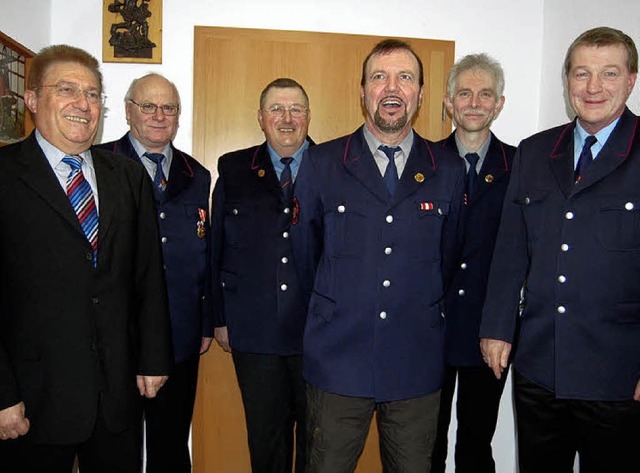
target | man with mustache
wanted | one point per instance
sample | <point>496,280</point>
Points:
<point>474,99</point>
<point>570,234</point>
<point>375,233</point>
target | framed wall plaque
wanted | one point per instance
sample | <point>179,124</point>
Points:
<point>132,31</point>
<point>15,120</point>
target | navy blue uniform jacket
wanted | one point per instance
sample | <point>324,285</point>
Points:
<point>255,287</point>
<point>186,256</point>
<point>373,267</point>
<point>465,296</point>
<point>577,246</point>
<point>74,337</point>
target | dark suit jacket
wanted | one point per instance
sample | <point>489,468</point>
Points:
<point>73,337</point>
<point>255,288</point>
<point>373,267</point>
<point>577,246</point>
<point>465,297</point>
<point>186,256</point>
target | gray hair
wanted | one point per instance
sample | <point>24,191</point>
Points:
<point>480,61</point>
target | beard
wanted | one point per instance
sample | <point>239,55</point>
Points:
<point>390,126</point>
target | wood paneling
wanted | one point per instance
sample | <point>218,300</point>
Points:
<point>231,67</point>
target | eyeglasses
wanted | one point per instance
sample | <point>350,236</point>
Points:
<point>296,111</point>
<point>150,108</point>
<point>71,91</point>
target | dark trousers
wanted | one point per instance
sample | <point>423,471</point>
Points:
<point>103,452</point>
<point>479,393</point>
<point>168,420</point>
<point>338,428</point>
<point>273,395</point>
<point>605,434</point>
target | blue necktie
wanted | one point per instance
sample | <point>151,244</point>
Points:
<point>391,173</point>
<point>159,180</point>
<point>286,182</point>
<point>472,174</point>
<point>586,157</point>
<point>81,197</point>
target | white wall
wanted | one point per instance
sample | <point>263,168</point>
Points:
<point>529,38</point>
<point>563,21</point>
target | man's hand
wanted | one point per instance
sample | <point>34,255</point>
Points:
<point>205,343</point>
<point>636,396</point>
<point>221,334</point>
<point>13,423</point>
<point>150,385</point>
<point>495,354</point>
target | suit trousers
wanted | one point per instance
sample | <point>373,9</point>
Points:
<point>479,393</point>
<point>338,427</point>
<point>168,420</point>
<point>605,434</point>
<point>273,395</point>
<point>103,452</point>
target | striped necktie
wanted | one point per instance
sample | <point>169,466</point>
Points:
<point>286,180</point>
<point>81,198</point>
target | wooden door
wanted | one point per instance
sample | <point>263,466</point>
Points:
<point>231,67</point>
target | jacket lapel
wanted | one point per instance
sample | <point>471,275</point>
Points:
<point>561,160</point>
<point>262,170</point>
<point>494,168</point>
<point>180,174</point>
<point>421,165</point>
<point>613,154</point>
<point>38,175</point>
<point>107,190</point>
<point>359,162</point>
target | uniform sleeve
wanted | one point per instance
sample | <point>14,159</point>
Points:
<point>308,226</point>
<point>510,263</point>
<point>154,324</point>
<point>217,237</point>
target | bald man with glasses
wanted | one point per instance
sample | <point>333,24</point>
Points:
<point>181,187</point>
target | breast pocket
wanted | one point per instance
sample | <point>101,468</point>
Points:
<point>428,222</point>
<point>618,226</point>
<point>533,208</point>
<point>345,229</point>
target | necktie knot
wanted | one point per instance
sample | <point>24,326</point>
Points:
<point>472,159</point>
<point>286,161</point>
<point>391,173</point>
<point>155,157</point>
<point>389,151</point>
<point>74,162</point>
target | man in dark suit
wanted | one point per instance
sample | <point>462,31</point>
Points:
<point>260,317</point>
<point>570,233</point>
<point>181,189</point>
<point>374,237</point>
<point>84,328</point>
<point>474,99</point>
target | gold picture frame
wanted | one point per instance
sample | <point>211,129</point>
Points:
<point>132,31</point>
<point>15,119</point>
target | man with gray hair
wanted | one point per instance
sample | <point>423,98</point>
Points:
<point>474,99</point>
<point>181,188</point>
